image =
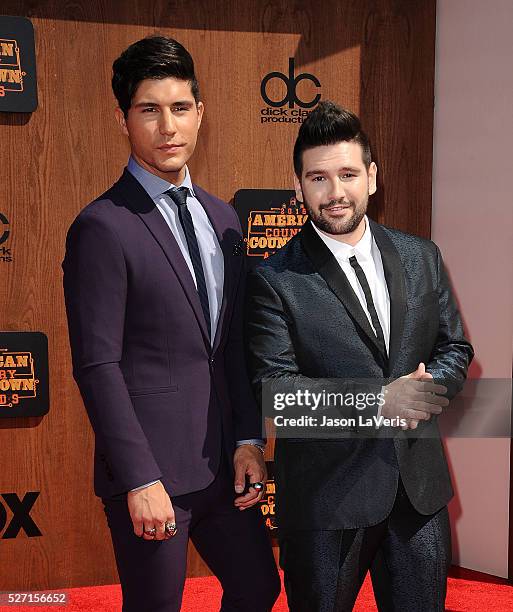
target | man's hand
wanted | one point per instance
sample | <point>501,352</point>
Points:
<point>421,370</point>
<point>151,508</point>
<point>413,398</point>
<point>248,461</point>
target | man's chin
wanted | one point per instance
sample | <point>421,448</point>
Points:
<point>168,168</point>
<point>171,165</point>
<point>335,229</point>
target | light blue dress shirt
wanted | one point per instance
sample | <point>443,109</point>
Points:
<point>212,258</point>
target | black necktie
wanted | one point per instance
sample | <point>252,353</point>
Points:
<point>179,197</point>
<point>362,279</point>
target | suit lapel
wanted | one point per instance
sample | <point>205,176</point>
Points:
<point>137,200</point>
<point>212,210</point>
<point>327,266</point>
<point>394,275</point>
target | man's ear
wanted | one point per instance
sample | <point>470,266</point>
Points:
<point>200,107</point>
<point>373,171</point>
<point>120,118</point>
<point>297,188</point>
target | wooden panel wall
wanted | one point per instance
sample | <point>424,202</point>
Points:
<point>374,56</point>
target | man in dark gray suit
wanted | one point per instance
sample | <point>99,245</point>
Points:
<point>350,299</point>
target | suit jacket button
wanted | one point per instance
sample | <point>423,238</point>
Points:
<point>211,361</point>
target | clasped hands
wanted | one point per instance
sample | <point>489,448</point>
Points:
<point>415,397</point>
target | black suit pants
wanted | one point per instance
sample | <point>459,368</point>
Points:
<point>408,555</point>
<point>234,544</point>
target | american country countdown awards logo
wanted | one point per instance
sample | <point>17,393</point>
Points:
<point>267,503</point>
<point>289,106</point>
<point>11,75</point>
<point>23,374</point>
<point>5,231</point>
<point>269,230</point>
<point>269,219</point>
<point>18,91</point>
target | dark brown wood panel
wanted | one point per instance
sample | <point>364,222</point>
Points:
<point>374,56</point>
<point>396,106</point>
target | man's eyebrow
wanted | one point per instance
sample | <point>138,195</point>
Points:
<point>312,172</point>
<point>318,171</point>
<point>187,103</point>
<point>183,103</point>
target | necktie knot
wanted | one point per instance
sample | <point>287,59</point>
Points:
<point>178,195</point>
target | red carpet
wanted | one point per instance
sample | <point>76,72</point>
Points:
<point>468,592</point>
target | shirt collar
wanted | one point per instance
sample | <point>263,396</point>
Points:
<point>153,184</point>
<point>341,250</point>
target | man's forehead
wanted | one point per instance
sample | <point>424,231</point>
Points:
<point>168,87</point>
<point>345,153</point>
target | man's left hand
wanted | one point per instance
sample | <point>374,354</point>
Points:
<point>248,461</point>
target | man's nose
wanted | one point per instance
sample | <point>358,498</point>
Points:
<point>337,190</point>
<point>167,123</point>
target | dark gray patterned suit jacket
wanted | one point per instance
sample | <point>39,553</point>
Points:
<point>306,327</point>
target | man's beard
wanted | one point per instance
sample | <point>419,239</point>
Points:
<point>338,226</point>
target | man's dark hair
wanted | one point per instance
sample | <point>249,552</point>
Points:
<point>155,57</point>
<point>329,124</point>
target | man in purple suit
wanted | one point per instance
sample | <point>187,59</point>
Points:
<point>154,284</point>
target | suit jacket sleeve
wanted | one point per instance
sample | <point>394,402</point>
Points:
<point>95,289</point>
<point>452,353</point>
<point>247,421</point>
<point>273,362</point>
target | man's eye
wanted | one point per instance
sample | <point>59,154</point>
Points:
<point>180,109</point>
<point>318,178</point>
<point>148,110</point>
<point>347,175</point>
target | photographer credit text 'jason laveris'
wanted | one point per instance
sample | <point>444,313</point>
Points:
<point>343,408</point>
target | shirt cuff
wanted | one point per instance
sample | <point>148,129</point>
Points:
<point>144,486</point>
<point>258,442</point>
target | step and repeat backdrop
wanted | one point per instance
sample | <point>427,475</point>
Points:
<point>262,66</point>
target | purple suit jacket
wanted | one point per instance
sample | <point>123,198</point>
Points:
<point>162,401</point>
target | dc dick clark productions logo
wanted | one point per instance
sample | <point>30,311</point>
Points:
<point>290,107</point>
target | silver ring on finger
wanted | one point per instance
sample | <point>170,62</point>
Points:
<point>171,528</point>
<point>151,532</point>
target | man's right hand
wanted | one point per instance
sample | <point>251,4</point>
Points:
<point>414,397</point>
<point>151,508</point>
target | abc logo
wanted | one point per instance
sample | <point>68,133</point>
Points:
<point>291,81</point>
<point>21,518</point>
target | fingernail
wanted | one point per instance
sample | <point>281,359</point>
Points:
<point>239,489</point>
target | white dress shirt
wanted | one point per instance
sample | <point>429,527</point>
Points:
<point>367,253</point>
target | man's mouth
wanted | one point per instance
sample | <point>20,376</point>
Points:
<point>335,208</point>
<point>170,147</point>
